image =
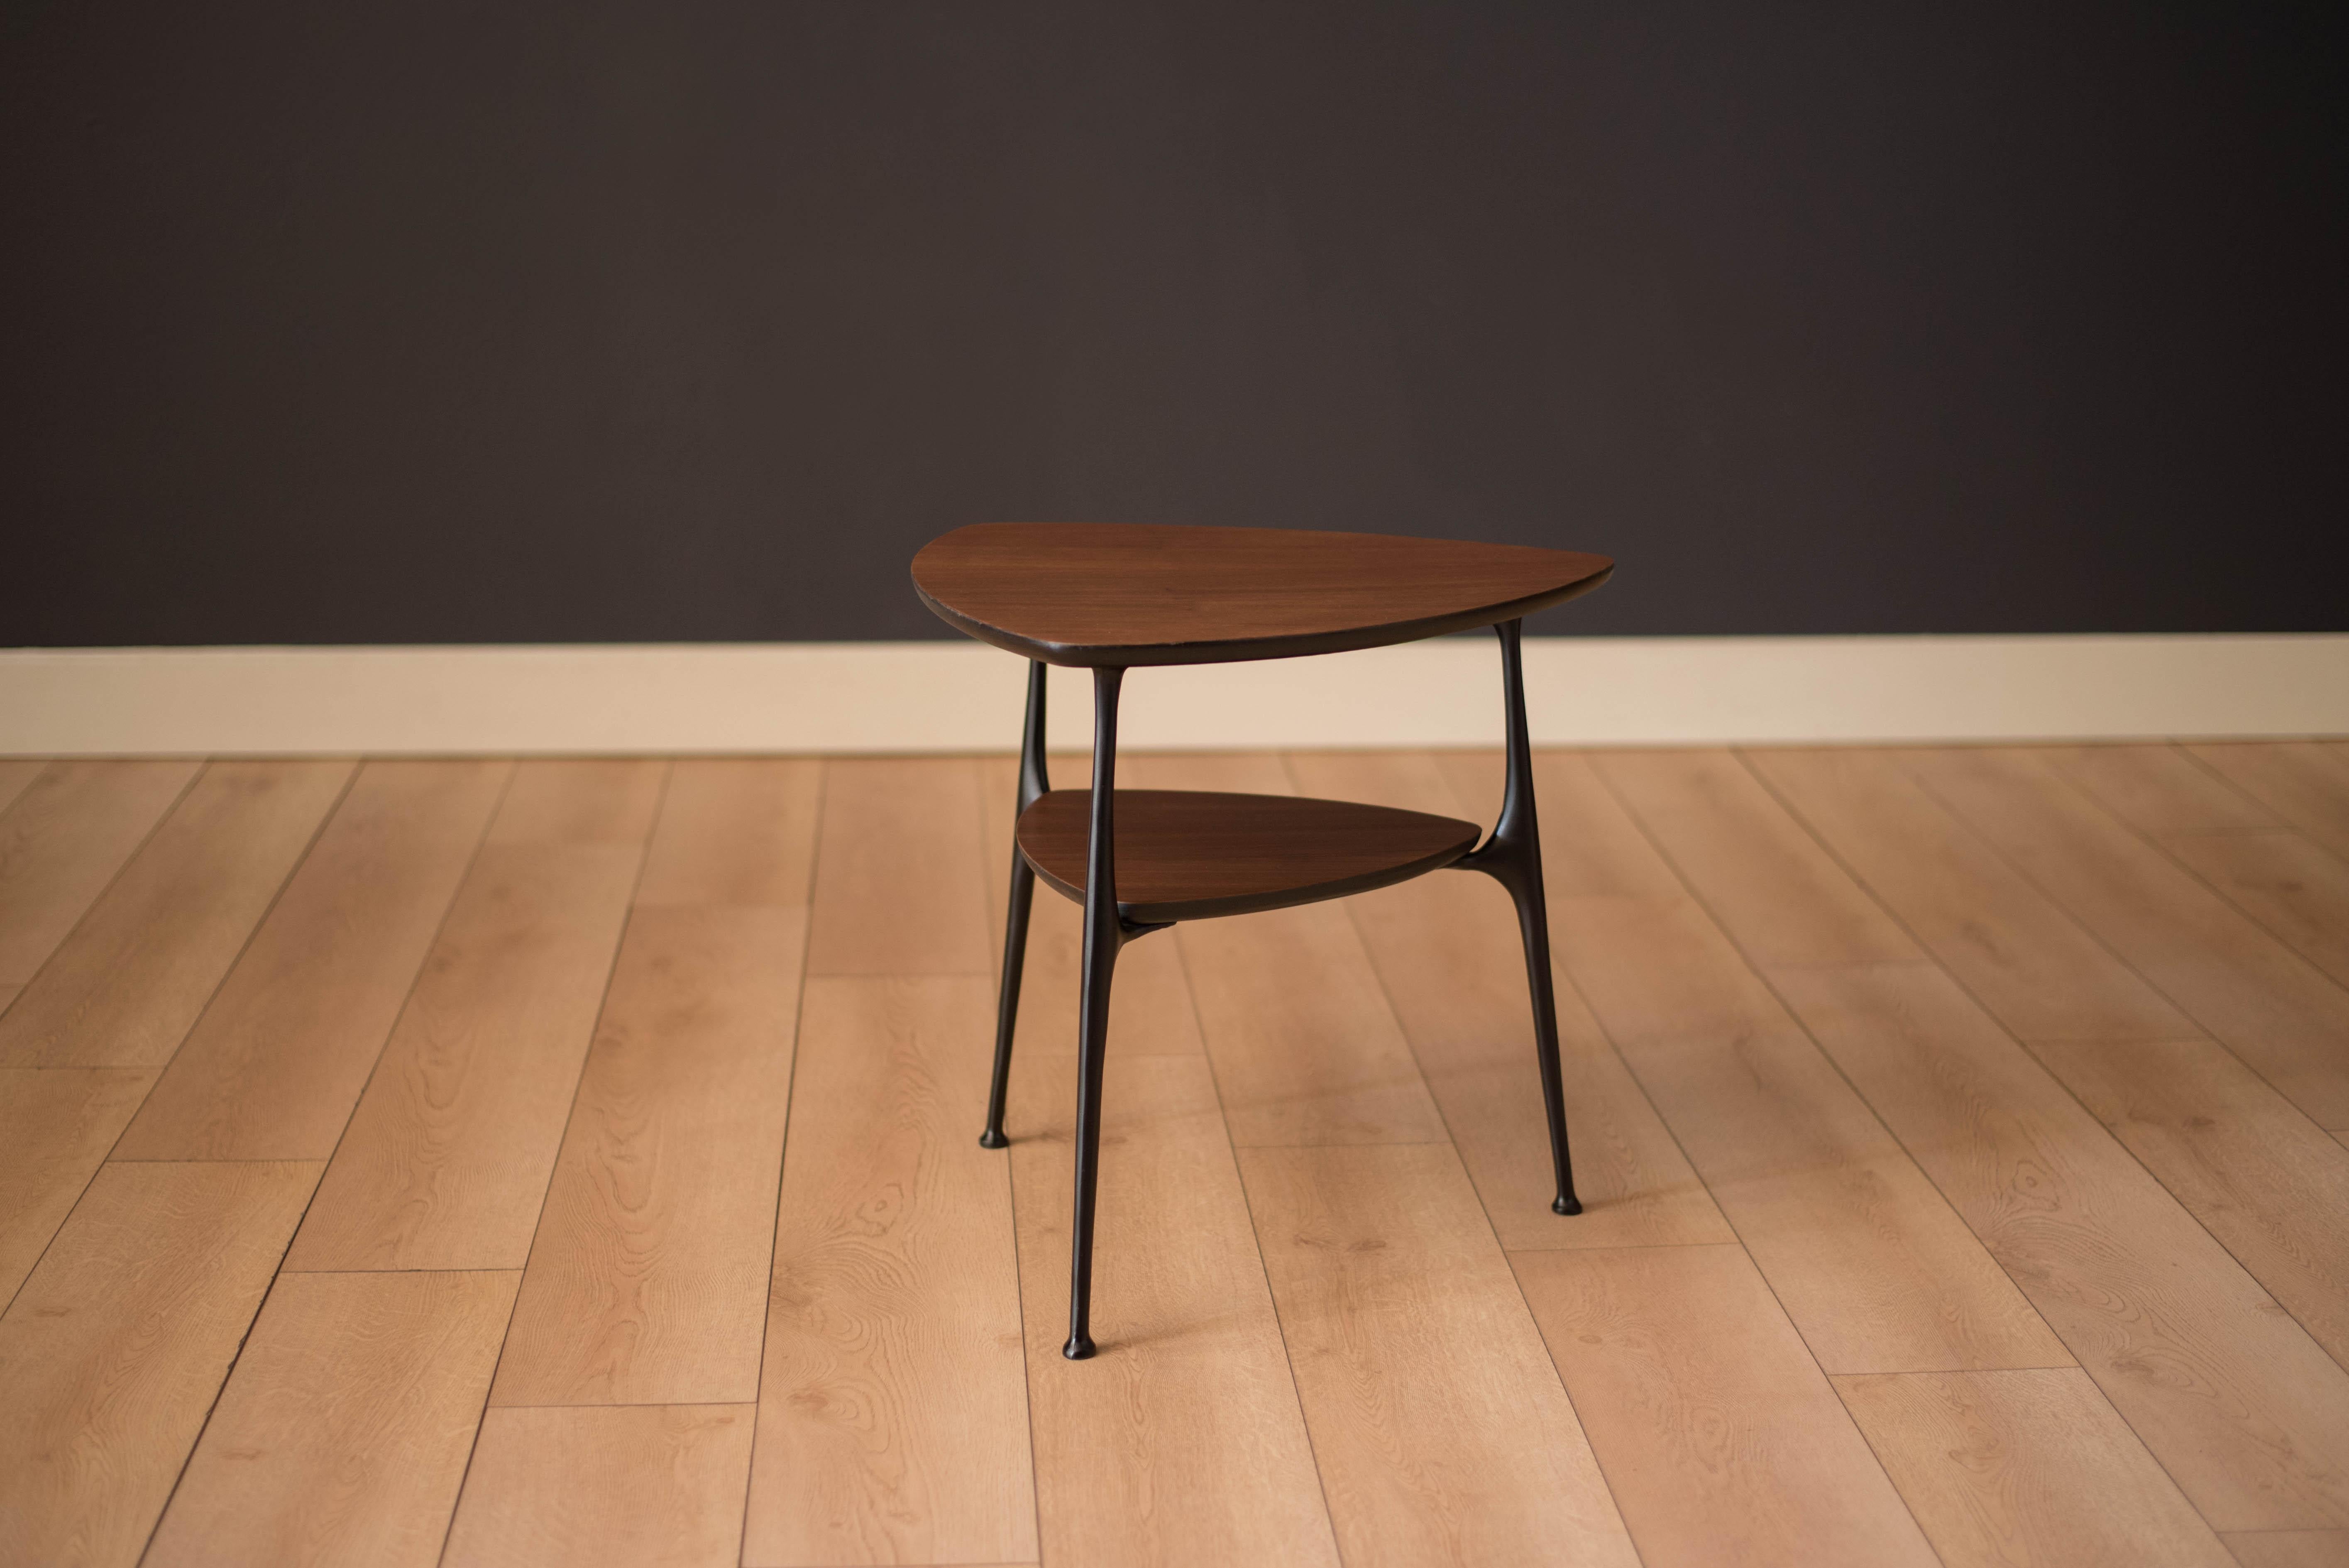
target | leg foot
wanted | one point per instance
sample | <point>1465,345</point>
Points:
<point>991,1138</point>
<point>1567,1203</point>
<point>1078,1350</point>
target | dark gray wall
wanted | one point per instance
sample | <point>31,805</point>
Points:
<point>426,322</point>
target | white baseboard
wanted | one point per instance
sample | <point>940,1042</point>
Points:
<point>960,697</point>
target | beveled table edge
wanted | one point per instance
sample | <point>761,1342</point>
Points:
<point>1237,650</point>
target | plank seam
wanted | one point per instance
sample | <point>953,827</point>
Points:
<point>620,941</point>
<point>783,1154</point>
<point>2208,1035</point>
<point>281,1270</point>
<point>165,1066</point>
<point>1639,825</point>
<point>1452,1142</point>
<point>1885,905</point>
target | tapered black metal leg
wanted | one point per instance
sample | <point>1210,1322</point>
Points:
<point>1006,1008</point>
<point>1092,1032</point>
<point>1104,934</point>
<point>1512,857</point>
<point>1032,784</point>
<point>1533,924</point>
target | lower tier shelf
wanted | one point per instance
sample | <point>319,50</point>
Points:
<point>1184,854</point>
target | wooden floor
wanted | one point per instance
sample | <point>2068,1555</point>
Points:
<point>574,1162</point>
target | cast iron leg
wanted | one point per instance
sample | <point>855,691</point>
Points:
<point>1032,783</point>
<point>1512,857</point>
<point>1104,934</point>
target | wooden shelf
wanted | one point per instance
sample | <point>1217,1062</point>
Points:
<point>1188,854</point>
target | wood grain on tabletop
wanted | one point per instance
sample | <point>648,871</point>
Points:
<point>1140,593</point>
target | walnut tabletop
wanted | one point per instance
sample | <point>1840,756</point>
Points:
<point>1127,594</point>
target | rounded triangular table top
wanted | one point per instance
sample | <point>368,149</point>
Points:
<point>1145,593</point>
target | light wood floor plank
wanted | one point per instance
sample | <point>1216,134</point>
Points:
<point>2265,1179</point>
<point>647,1278</point>
<point>592,800</point>
<point>111,1354</point>
<point>2305,782</point>
<point>273,1068</point>
<point>1439,1428</point>
<point>63,839</point>
<point>2292,886</point>
<point>124,988</point>
<point>1150,1011</point>
<point>1182,1441</point>
<point>735,830</point>
<point>1750,862</point>
<point>16,775</point>
<point>1947,1081</point>
<point>2291,1548</point>
<point>1873,1265</point>
<point>2030,1467</point>
<point>1770,887</point>
<point>2242,1407</point>
<point>892,1413</point>
<point>343,1433</point>
<point>2288,1021</point>
<point>899,887</point>
<point>1614,862</point>
<point>1447,951</point>
<point>56,1126</point>
<point>2031,965</point>
<point>447,1158</point>
<point>1306,1050</point>
<point>2297,890</point>
<point>2161,790</point>
<point>639,1486</point>
<point>1722,1439</point>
